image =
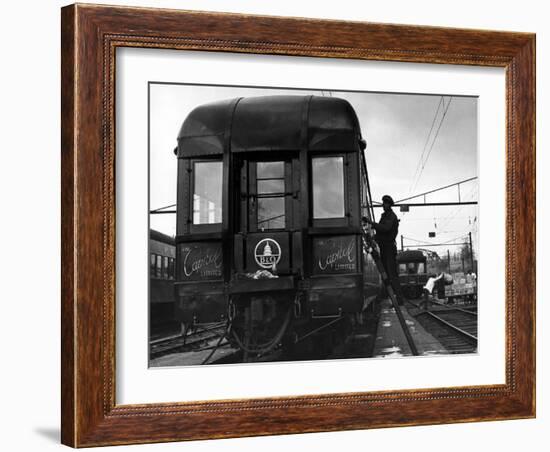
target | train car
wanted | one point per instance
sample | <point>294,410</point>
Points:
<point>411,265</point>
<point>463,288</point>
<point>269,207</point>
<point>162,253</point>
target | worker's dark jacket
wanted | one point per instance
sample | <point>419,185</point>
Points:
<point>386,232</point>
<point>386,228</point>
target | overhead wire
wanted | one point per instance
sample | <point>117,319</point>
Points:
<point>433,142</point>
<point>454,214</point>
<point>425,144</point>
<point>159,209</point>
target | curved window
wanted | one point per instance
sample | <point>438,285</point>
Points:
<point>328,187</point>
<point>207,192</point>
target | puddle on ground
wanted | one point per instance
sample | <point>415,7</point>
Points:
<point>386,323</point>
<point>362,336</point>
<point>433,352</point>
<point>391,352</point>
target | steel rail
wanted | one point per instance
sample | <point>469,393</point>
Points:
<point>182,342</point>
<point>185,335</point>
<point>453,327</point>
<point>454,308</point>
<point>316,330</point>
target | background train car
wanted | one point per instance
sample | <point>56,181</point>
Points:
<point>411,266</point>
<point>269,208</point>
<point>463,289</point>
<point>162,253</point>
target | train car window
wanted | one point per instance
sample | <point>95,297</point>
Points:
<point>153,261</point>
<point>402,268</point>
<point>171,272</point>
<point>270,180</point>
<point>421,269</point>
<point>159,267</point>
<point>328,187</point>
<point>270,170</point>
<point>207,192</point>
<point>165,267</point>
<point>271,186</point>
<point>271,213</point>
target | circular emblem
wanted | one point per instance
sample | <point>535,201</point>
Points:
<point>267,253</point>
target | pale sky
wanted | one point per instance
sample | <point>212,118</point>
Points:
<point>398,128</point>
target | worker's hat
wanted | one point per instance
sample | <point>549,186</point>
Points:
<point>388,199</point>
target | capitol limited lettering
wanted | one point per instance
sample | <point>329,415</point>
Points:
<point>204,264</point>
<point>341,259</point>
<point>267,253</point>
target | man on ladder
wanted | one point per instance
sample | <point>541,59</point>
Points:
<point>386,232</point>
<point>384,253</point>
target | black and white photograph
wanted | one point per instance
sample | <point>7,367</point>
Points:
<point>297,225</point>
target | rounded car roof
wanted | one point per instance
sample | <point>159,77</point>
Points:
<point>269,123</point>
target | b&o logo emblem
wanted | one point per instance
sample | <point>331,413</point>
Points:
<point>267,253</point>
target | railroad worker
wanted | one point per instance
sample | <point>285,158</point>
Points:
<point>427,291</point>
<point>386,232</point>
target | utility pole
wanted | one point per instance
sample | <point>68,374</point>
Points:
<point>449,259</point>
<point>401,242</point>
<point>471,251</point>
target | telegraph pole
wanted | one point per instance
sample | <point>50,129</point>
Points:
<point>401,242</point>
<point>449,259</point>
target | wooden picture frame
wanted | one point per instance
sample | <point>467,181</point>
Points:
<point>90,36</point>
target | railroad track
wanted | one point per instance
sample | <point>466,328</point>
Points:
<point>472,310</point>
<point>211,340</point>
<point>187,342</point>
<point>455,328</point>
<point>208,339</point>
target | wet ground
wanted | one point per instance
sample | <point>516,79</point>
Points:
<point>391,341</point>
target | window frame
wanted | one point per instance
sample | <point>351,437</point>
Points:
<point>334,221</point>
<point>204,227</point>
<point>252,192</point>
